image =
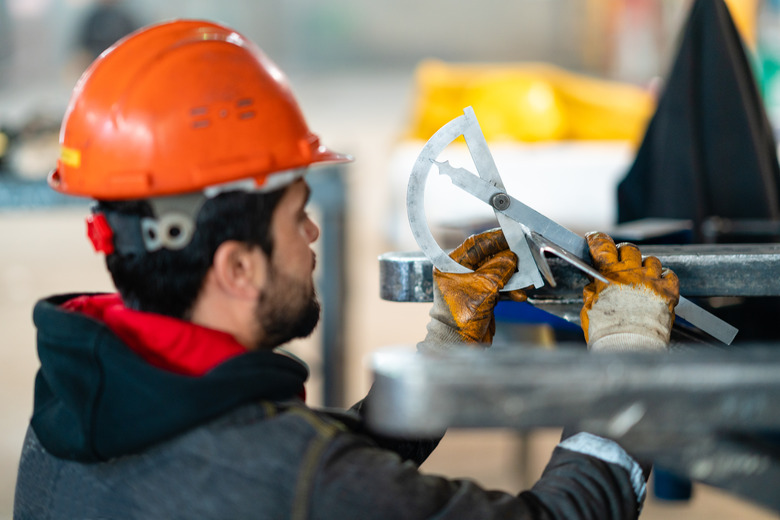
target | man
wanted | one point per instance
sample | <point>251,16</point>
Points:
<point>170,399</point>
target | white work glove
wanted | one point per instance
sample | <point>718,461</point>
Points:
<point>463,303</point>
<point>634,312</point>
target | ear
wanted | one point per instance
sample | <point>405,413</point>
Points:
<point>240,270</point>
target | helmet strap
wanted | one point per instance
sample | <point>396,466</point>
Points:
<point>125,232</point>
<point>172,226</point>
<point>174,220</point>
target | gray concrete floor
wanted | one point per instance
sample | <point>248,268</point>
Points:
<point>46,251</point>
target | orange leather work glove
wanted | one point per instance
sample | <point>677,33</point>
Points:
<point>463,303</point>
<point>634,312</point>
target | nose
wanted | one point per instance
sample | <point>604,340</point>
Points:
<point>312,230</point>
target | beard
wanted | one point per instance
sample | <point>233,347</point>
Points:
<point>287,310</point>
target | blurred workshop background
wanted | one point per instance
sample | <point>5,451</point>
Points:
<point>563,88</point>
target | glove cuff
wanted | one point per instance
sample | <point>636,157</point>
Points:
<point>440,337</point>
<point>629,317</point>
<point>628,342</point>
<point>612,453</point>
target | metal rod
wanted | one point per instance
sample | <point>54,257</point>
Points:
<point>704,271</point>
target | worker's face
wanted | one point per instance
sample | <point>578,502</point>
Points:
<point>288,306</point>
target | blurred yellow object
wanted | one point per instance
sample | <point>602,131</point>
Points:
<point>3,143</point>
<point>745,16</point>
<point>520,107</point>
<point>528,102</point>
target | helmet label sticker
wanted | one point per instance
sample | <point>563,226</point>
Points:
<point>70,156</point>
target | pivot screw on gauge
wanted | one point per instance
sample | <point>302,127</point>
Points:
<point>500,201</point>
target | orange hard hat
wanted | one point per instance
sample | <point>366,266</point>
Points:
<point>179,107</point>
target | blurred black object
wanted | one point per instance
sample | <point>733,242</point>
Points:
<point>103,26</point>
<point>709,150</point>
<point>709,156</point>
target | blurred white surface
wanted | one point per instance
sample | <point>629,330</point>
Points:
<point>571,182</point>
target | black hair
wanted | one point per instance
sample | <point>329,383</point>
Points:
<point>168,281</point>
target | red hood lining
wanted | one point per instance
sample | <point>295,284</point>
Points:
<point>175,345</point>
